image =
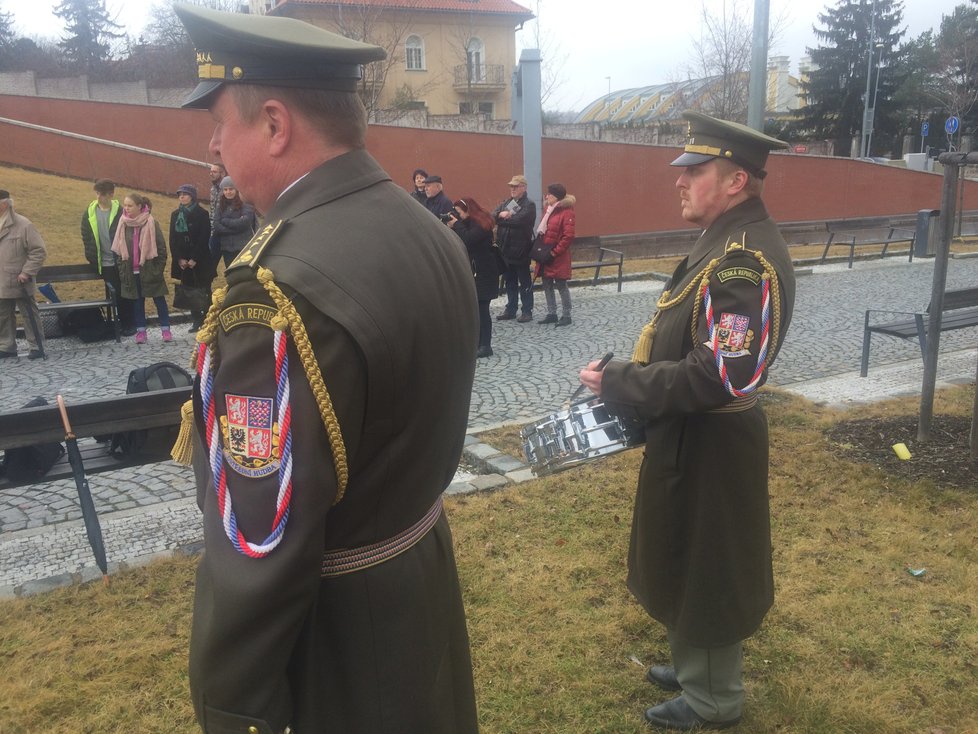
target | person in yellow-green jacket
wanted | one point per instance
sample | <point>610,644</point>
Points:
<point>98,226</point>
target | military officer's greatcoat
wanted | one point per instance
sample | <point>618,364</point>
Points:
<point>700,554</point>
<point>377,282</point>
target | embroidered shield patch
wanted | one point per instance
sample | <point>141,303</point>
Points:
<point>250,435</point>
<point>734,335</point>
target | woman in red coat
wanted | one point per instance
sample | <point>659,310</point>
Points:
<point>557,228</point>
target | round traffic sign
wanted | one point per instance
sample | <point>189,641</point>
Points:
<point>951,125</point>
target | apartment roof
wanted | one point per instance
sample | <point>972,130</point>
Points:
<point>487,7</point>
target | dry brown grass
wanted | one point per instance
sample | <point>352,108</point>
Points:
<point>55,205</point>
<point>665,265</point>
<point>854,644</point>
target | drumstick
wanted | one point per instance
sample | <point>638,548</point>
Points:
<point>601,365</point>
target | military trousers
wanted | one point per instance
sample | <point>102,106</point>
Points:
<point>712,678</point>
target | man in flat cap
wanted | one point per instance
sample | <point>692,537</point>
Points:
<point>514,219</point>
<point>699,560</point>
<point>332,394</point>
<point>436,200</point>
<point>22,253</point>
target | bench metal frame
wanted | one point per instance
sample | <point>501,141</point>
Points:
<point>850,230</point>
<point>960,311</point>
<point>73,273</point>
<point>615,258</point>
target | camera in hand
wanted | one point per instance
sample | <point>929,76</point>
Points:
<point>448,216</point>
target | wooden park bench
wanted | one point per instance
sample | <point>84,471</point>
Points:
<point>960,310</point>
<point>614,258</point>
<point>32,426</point>
<point>865,231</point>
<point>73,273</point>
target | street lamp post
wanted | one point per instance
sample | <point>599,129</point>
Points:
<point>867,122</point>
<point>876,91</point>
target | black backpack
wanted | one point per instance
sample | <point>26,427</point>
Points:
<point>28,463</point>
<point>151,441</point>
<point>88,324</point>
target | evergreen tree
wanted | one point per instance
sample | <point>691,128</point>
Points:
<point>88,33</point>
<point>854,32</point>
<point>954,78</point>
<point>914,100</point>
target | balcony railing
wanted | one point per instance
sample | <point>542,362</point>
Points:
<point>484,77</point>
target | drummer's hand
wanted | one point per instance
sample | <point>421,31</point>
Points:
<point>591,379</point>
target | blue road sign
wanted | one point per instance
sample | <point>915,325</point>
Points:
<point>951,125</point>
<point>924,129</point>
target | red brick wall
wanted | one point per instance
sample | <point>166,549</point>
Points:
<point>620,188</point>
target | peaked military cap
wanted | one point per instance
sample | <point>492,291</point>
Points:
<point>238,48</point>
<point>708,138</point>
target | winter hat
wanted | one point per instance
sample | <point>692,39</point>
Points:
<point>188,189</point>
<point>227,183</point>
<point>558,190</point>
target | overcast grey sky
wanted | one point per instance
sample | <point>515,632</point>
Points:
<point>641,42</point>
<point>634,42</point>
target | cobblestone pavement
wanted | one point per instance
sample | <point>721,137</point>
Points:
<point>149,511</point>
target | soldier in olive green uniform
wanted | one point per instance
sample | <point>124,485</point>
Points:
<point>700,554</point>
<point>334,378</point>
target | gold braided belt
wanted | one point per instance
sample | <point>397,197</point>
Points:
<point>287,318</point>
<point>643,347</point>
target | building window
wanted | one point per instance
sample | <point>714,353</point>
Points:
<point>414,53</point>
<point>475,59</point>
<point>469,108</point>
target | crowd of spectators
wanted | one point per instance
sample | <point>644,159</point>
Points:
<point>498,243</point>
<point>502,245</point>
<point>125,244</point>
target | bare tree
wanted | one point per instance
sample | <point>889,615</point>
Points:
<point>165,27</point>
<point>953,78</point>
<point>553,58</point>
<point>473,70</point>
<point>388,29</point>
<point>722,56</point>
<point>164,54</point>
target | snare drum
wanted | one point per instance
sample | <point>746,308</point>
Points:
<point>579,434</point>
